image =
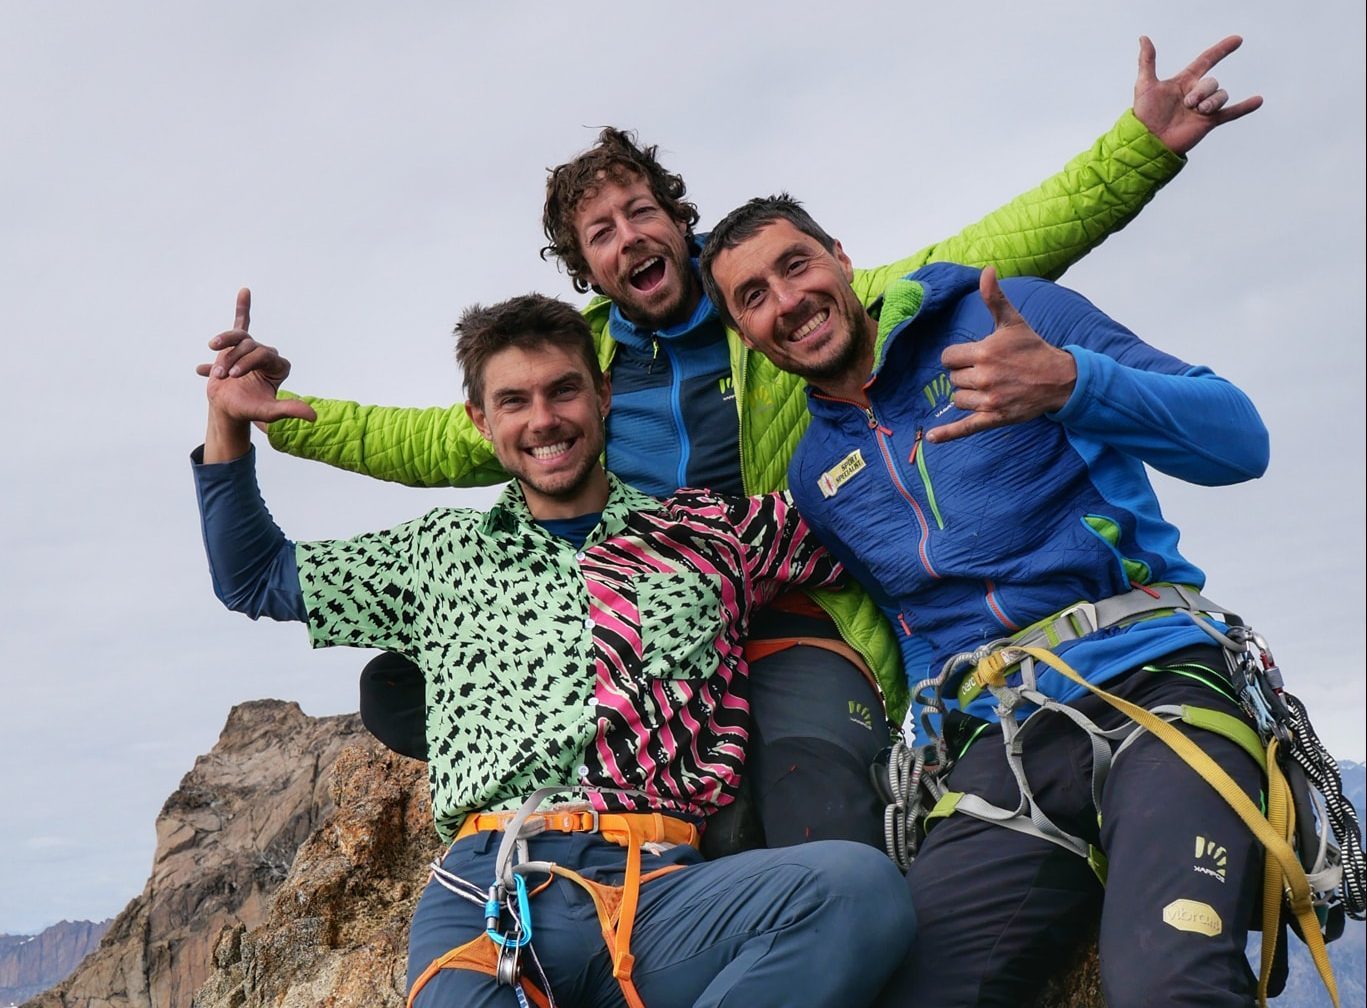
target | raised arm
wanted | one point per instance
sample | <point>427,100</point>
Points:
<point>1045,230</point>
<point>251,563</point>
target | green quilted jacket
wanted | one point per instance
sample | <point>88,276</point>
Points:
<point>1039,233</point>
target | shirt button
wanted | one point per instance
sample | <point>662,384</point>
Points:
<point>592,705</point>
<point>588,624</point>
<point>579,557</point>
<point>583,772</point>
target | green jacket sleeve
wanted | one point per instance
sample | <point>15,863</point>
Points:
<point>431,447</point>
<point>1044,231</point>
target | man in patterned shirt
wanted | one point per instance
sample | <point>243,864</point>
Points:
<point>582,639</point>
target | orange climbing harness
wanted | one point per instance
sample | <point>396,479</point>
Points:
<point>615,905</point>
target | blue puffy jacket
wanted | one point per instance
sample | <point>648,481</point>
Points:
<point>968,541</point>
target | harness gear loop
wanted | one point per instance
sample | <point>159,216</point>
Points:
<point>615,906</point>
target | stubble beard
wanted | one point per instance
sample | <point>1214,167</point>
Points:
<point>674,312</point>
<point>846,360</point>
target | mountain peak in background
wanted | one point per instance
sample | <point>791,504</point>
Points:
<point>226,838</point>
<point>30,964</point>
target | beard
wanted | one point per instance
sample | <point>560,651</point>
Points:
<point>640,308</point>
<point>841,361</point>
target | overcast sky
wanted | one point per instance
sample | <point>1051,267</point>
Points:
<point>368,171</point>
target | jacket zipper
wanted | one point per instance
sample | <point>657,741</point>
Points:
<point>880,435</point>
<point>918,455</point>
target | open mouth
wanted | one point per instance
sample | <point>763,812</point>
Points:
<point>549,452</point>
<point>648,275</point>
<point>810,326</point>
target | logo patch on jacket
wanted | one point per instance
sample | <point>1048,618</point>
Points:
<point>1193,916</point>
<point>840,473</point>
<point>1211,859</point>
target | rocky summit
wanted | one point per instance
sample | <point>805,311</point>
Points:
<point>225,841</point>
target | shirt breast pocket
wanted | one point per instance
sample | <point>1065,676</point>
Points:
<point>681,617</point>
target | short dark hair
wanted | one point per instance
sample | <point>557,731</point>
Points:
<point>742,224</point>
<point>528,321</point>
<point>617,157</point>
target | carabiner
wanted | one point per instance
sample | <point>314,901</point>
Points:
<point>523,917</point>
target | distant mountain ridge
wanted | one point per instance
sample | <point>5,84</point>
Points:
<point>30,964</point>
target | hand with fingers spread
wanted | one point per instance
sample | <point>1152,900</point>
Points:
<point>1181,110</point>
<point>242,388</point>
<point>1009,376</point>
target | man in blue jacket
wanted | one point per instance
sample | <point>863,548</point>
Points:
<point>977,459</point>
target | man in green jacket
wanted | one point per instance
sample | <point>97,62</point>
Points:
<point>693,407</point>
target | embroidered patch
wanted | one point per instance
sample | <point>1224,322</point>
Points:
<point>1194,916</point>
<point>840,473</point>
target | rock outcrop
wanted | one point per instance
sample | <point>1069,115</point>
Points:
<point>225,841</point>
<point>30,964</point>
<point>337,930</point>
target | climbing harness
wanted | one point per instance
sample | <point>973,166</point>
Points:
<point>1309,877</point>
<point>498,951</point>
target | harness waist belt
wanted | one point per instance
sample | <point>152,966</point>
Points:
<point>643,827</point>
<point>1084,618</point>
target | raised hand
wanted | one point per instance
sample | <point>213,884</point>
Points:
<point>244,377</point>
<point>1181,110</point>
<point>1009,376</point>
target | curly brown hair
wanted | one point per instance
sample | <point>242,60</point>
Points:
<point>528,322</point>
<point>617,157</point>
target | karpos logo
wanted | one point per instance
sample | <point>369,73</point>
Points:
<point>940,388</point>
<point>1211,859</point>
<point>860,714</point>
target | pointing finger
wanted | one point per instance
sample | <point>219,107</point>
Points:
<point>244,310</point>
<point>1231,112</point>
<point>1201,65</point>
<point>962,428</point>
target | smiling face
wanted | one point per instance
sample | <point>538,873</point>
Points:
<point>637,254</point>
<point>543,414</point>
<point>792,301</point>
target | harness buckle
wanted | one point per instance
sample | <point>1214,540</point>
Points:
<point>1079,619</point>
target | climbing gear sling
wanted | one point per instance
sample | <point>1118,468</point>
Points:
<point>1317,894</point>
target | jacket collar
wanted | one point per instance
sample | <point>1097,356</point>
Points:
<point>510,512</point>
<point>922,293</point>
